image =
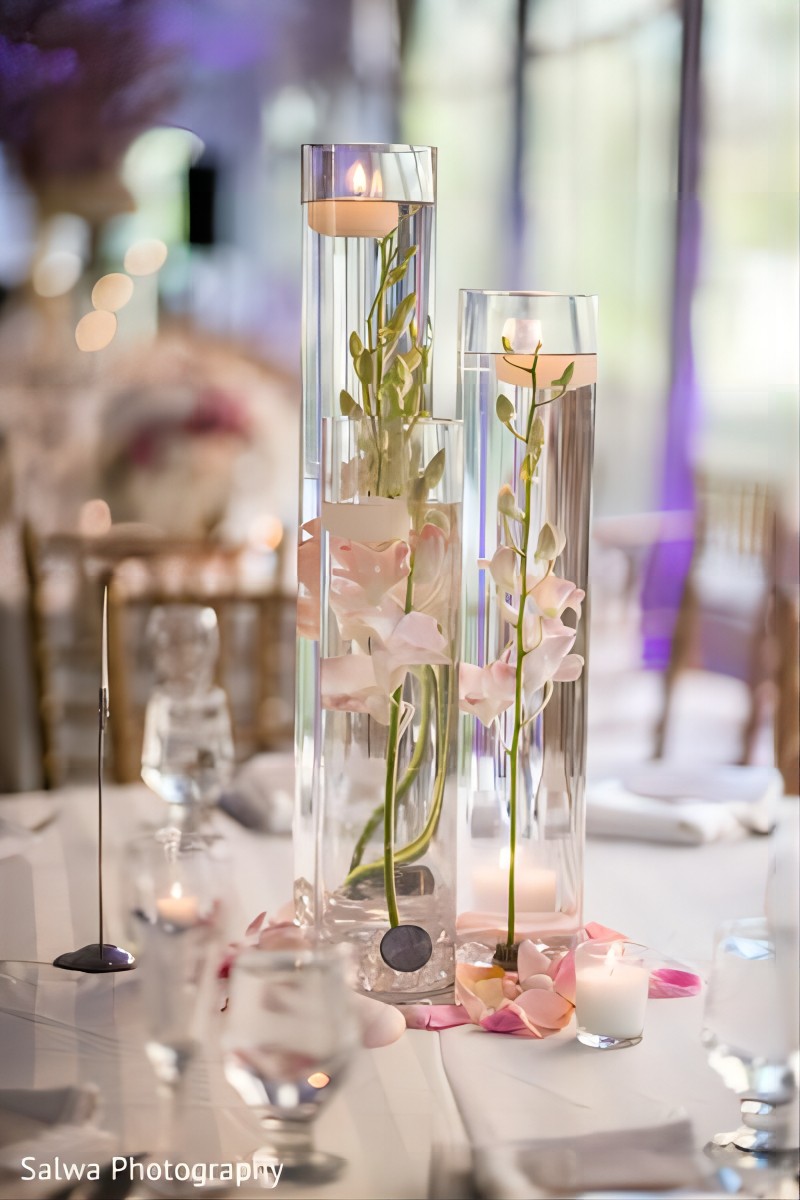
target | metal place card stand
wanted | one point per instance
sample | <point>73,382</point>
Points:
<point>99,957</point>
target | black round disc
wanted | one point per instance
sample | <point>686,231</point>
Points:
<point>406,948</point>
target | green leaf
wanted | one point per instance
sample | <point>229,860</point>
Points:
<point>348,406</point>
<point>505,409</point>
<point>509,349</point>
<point>412,358</point>
<point>551,542</point>
<point>565,378</point>
<point>435,470</point>
<point>397,273</point>
<point>356,345</point>
<point>402,314</point>
<point>411,400</point>
<point>527,469</point>
<point>363,366</point>
<point>412,329</point>
<point>536,437</point>
<point>391,407</point>
<point>507,504</point>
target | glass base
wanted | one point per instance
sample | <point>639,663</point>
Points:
<point>599,1041</point>
<point>308,1166</point>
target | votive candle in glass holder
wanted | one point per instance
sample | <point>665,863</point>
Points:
<point>612,980</point>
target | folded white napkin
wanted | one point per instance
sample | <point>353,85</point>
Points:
<point>651,1159</point>
<point>666,802</point>
<point>261,794</point>
<point>47,1125</point>
<point>21,818</point>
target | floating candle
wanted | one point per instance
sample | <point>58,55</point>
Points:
<point>177,908</point>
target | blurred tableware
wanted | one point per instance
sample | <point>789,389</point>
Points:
<point>290,1034</point>
<point>685,805</point>
<point>42,1124</point>
<point>747,1040</point>
<point>611,985</point>
<point>184,642</point>
<point>637,1161</point>
<point>261,794</point>
<point>178,911</point>
<point>187,756</point>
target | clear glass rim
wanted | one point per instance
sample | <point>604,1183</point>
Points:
<point>591,944</point>
<point>372,147</point>
<point>528,295</point>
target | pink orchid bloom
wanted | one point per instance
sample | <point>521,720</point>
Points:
<point>570,669</point>
<point>308,577</point>
<point>360,621</point>
<point>503,568</point>
<point>548,651</point>
<point>552,596</point>
<point>375,570</point>
<point>486,692</point>
<point>415,641</point>
<point>434,591</point>
<point>348,684</point>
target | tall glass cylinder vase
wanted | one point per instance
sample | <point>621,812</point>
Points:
<point>377,639</point>
<point>527,374</point>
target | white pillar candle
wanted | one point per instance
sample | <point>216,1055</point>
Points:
<point>535,888</point>
<point>359,215</point>
<point>611,998</point>
<point>177,908</point>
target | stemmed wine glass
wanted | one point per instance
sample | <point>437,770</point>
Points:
<point>290,1033</point>
<point>187,755</point>
<point>748,1043</point>
<point>176,891</point>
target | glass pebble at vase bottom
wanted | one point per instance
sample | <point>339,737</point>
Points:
<point>612,980</point>
<point>527,372</point>
<point>390,555</point>
<point>290,1032</point>
<point>748,1043</point>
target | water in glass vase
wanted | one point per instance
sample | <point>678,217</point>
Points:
<point>527,493</point>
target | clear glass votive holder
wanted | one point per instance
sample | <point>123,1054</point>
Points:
<point>612,980</point>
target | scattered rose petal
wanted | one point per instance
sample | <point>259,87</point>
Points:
<point>666,983</point>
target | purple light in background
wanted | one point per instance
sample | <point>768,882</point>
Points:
<point>670,559</point>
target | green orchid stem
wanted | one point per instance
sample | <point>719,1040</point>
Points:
<point>519,718</point>
<point>388,809</point>
<point>411,772</point>
<point>417,848</point>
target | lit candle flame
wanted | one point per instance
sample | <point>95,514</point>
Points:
<point>614,954</point>
<point>176,891</point>
<point>376,190</point>
<point>358,180</point>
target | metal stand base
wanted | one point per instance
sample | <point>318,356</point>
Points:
<point>96,959</point>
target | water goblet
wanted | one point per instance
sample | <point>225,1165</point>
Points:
<point>291,1032</point>
<point>177,919</point>
<point>748,1045</point>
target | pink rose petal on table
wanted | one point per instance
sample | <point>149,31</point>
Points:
<point>602,933</point>
<point>562,974</point>
<point>509,1019</point>
<point>548,1011</point>
<point>381,1024</point>
<point>667,983</point>
<point>530,961</point>
<point>435,1016</point>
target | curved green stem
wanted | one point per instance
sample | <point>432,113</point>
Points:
<point>417,848</point>
<point>411,772</point>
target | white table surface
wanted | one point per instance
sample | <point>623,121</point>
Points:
<point>400,1119</point>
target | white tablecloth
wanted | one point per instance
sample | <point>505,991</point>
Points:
<point>398,1119</point>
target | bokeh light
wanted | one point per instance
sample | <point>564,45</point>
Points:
<point>112,292</point>
<point>56,273</point>
<point>265,532</point>
<point>96,330</point>
<point>145,256</point>
<point>94,518</point>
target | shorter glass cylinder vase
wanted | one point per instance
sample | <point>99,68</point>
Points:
<point>385,556</point>
<point>527,371</point>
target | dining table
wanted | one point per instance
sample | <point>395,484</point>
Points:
<point>412,1119</point>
